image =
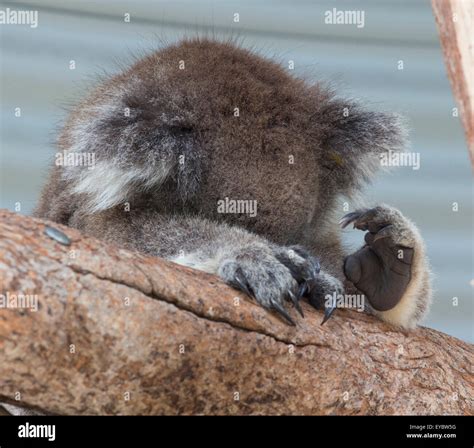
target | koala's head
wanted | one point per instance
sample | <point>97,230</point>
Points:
<point>202,120</point>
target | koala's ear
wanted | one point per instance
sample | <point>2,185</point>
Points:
<point>140,139</point>
<point>356,142</point>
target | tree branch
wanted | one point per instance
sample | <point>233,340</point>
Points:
<point>120,333</point>
<point>455,19</point>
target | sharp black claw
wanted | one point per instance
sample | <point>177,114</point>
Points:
<point>328,312</point>
<point>347,219</point>
<point>241,283</point>
<point>303,289</point>
<point>277,307</point>
<point>296,303</point>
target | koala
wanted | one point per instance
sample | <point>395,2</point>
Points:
<point>204,121</point>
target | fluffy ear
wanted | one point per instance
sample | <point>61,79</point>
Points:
<point>139,139</point>
<point>355,143</point>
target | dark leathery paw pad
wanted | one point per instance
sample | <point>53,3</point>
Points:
<point>381,270</point>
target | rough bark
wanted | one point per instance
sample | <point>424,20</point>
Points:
<point>120,333</point>
<point>455,20</point>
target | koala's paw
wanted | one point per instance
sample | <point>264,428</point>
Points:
<point>271,274</point>
<point>382,269</point>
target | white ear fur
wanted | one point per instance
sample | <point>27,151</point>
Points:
<point>107,185</point>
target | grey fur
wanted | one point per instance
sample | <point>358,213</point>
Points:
<point>181,148</point>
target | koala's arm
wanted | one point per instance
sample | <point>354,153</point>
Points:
<point>391,269</point>
<point>272,274</point>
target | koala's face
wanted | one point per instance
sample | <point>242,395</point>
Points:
<point>210,122</point>
<point>253,126</point>
<point>273,169</point>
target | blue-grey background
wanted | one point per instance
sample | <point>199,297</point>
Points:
<point>36,76</point>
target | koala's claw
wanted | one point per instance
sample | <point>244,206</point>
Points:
<point>241,283</point>
<point>303,289</point>
<point>348,218</point>
<point>280,309</point>
<point>272,275</point>
<point>296,303</point>
<point>373,219</point>
<point>377,220</point>
<point>328,313</point>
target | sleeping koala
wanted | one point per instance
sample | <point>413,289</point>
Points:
<point>204,123</point>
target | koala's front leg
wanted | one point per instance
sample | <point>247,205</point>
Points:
<point>391,270</point>
<point>271,274</point>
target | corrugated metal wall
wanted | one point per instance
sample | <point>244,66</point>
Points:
<point>363,62</point>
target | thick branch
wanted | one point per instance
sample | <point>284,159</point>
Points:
<point>120,333</point>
